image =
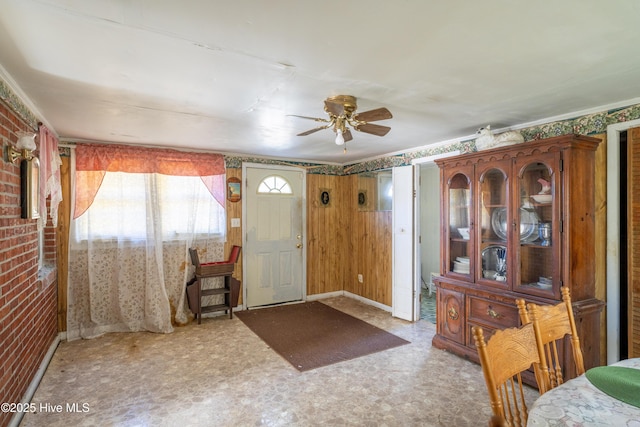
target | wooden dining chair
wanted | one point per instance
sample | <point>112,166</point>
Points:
<point>497,421</point>
<point>555,322</point>
<point>507,354</point>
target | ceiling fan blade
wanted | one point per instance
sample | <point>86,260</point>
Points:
<point>310,131</point>
<point>333,107</point>
<point>373,115</point>
<point>347,135</point>
<point>317,119</point>
<point>373,129</point>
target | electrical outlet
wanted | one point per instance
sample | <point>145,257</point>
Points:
<point>360,278</point>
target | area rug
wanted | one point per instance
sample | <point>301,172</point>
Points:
<point>312,334</point>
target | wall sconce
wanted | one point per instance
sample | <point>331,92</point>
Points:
<point>23,150</point>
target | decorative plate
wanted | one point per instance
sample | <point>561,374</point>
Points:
<point>528,224</point>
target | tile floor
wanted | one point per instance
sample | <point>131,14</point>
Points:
<point>428,306</point>
<point>220,374</point>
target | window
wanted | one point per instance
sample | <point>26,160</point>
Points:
<point>274,184</point>
<point>179,206</point>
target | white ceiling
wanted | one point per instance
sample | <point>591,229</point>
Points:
<point>224,75</point>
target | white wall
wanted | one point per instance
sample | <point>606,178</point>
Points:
<point>430,219</point>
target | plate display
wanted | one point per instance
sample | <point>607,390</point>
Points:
<point>461,265</point>
<point>544,283</point>
<point>542,198</point>
<point>528,224</point>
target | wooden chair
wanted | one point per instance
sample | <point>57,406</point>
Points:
<point>507,354</point>
<point>555,322</point>
<point>497,421</point>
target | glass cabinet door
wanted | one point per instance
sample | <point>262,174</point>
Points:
<point>459,242</point>
<point>493,219</point>
<point>538,223</point>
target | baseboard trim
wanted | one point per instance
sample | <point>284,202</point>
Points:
<point>316,297</point>
<point>368,301</point>
<point>349,295</point>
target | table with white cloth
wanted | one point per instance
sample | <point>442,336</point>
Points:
<point>578,402</point>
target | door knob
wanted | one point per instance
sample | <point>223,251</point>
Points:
<point>299,245</point>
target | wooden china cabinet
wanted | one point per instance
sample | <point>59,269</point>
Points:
<point>517,222</point>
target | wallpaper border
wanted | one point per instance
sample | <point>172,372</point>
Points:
<point>15,103</point>
<point>590,124</point>
<point>584,125</point>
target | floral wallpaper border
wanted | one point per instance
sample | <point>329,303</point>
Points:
<point>14,102</point>
<point>590,124</point>
<point>235,162</point>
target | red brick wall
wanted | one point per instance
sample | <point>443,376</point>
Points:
<point>28,302</point>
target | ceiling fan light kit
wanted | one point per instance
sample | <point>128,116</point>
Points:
<point>342,115</point>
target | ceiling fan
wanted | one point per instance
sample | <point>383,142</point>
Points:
<point>342,115</point>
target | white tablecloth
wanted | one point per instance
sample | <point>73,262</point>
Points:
<point>579,403</point>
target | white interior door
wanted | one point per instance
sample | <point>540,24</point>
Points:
<point>274,253</point>
<point>404,299</point>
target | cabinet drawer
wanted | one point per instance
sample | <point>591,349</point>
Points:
<point>489,312</point>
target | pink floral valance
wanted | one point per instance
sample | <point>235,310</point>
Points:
<point>124,158</point>
<point>93,161</point>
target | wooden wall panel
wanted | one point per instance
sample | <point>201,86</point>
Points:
<point>234,235</point>
<point>62,241</point>
<point>343,241</point>
<point>373,259</point>
<point>328,234</point>
<point>348,199</point>
<point>373,246</point>
<point>369,186</point>
<point>600,236</point>
<point>351,277</point>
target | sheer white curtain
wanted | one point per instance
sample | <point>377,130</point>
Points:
<point>129,259</point>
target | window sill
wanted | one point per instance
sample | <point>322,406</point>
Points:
<point>47,275</point>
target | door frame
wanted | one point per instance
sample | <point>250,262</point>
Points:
<point>275,167</point>
<point>613,237</point>
<point>417,260</point>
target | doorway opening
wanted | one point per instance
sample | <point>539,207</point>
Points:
<point>620,315</point>
<point>427,231</point>
<point>622,176</point>
<point>428,240</point>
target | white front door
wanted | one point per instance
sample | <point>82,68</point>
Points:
<point>273,247</point>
